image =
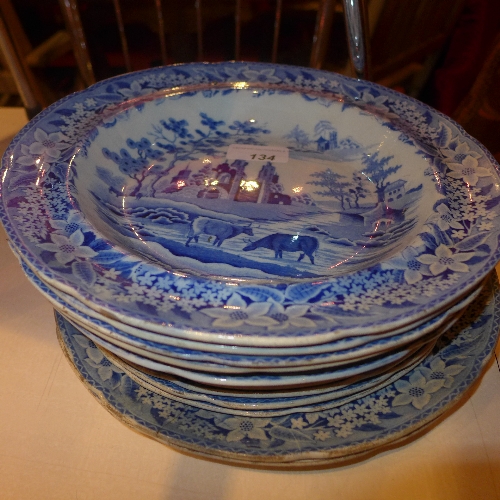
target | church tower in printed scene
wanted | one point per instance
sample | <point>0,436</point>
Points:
<point>267,176</point>
<point>239,175</point>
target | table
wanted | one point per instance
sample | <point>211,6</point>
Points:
<point>58,442</point>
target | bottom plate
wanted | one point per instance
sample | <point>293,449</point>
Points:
<point>304,439</point>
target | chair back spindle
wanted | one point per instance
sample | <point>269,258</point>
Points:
<point>357,29</point>
<point>355,21</point>
<point>72,18</point>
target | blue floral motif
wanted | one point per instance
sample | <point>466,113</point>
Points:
<point>237,312</point>
<point>75,222</point>
<point>416,391</point>
<point>66,249</point>
<point>414,270</point>
<point>106,371</point>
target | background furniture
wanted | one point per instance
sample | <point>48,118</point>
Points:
<point>406,40</point>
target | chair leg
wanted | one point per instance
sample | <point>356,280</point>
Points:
<point>71,15</point>
<point>24,81</point>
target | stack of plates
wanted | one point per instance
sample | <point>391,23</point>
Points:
<point>241,254</point>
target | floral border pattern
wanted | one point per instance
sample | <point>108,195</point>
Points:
<point>316,437</point>
<point>350,347</point>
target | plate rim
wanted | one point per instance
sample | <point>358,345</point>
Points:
<point>246,338</point>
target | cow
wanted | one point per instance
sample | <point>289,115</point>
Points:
<point>222,230</point>
<point>278,242</point>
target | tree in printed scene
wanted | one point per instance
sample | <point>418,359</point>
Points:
<point>175,139</point>
<point>357,189</point>
<point>173,143</point>
<point>277,187</point>
<point>323,126</point>
<point>115,182</point>
<point>377,170</point>
<point>304,198</point>
<point>137,168</point>
<point>299,136</point>
<point>334,187</point>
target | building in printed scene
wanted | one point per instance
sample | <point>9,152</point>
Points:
<point>220,185</point>
<point>229,181</point>
<point>326,144</point>
<point>332,142</point>
<point>239,175</point>
<point>180,181</point>
<point>394,194</point>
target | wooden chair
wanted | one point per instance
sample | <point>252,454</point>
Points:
<point>195,17</point>
<point>19,60</point>
<point>181,31</point>
<point>389,41</point>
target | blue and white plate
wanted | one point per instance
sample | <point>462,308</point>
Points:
<point>316,398</point>
<point>247,379</point>
<point>247,364</point>
<point>143,358</point>
<point>278,401</point>
<point>343,350</point>
<point>252,204</point>
<point>300,438</point>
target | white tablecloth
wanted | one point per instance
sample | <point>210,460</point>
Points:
<point>57,442</point>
